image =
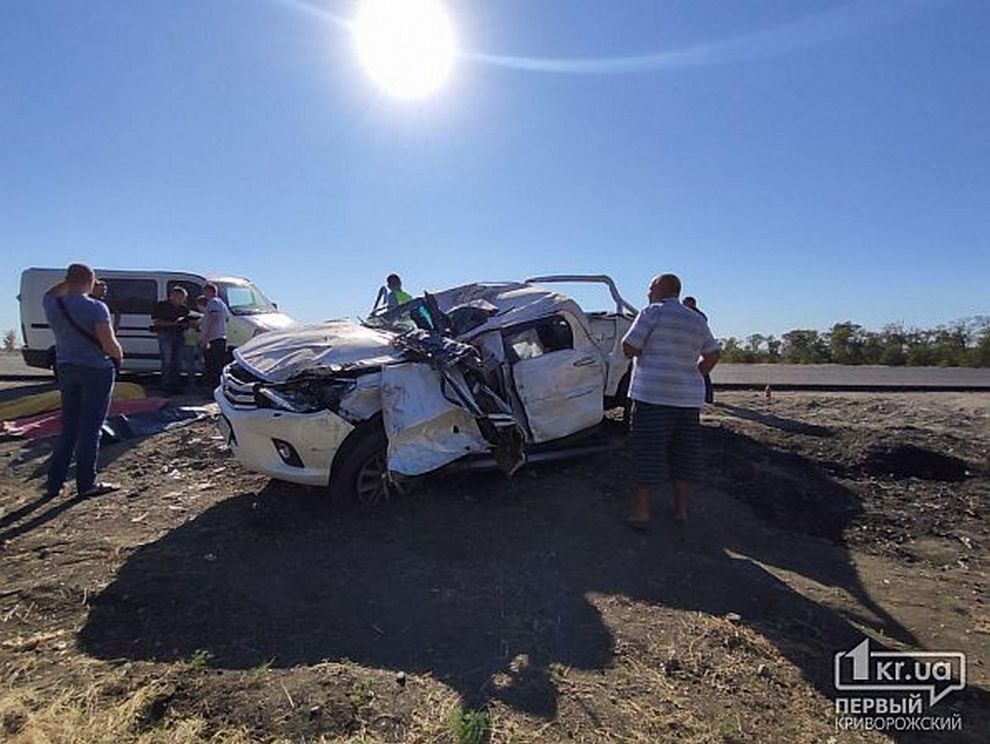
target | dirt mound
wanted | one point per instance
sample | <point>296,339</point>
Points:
<point>902,460</point>
<point>783,488</point>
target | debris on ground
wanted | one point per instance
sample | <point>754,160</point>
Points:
<point>205,603</point>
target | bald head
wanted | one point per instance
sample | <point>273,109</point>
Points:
<point>664,286</point>
<point>80,277</point>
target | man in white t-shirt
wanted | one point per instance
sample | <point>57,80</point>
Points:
<point>213,334</point>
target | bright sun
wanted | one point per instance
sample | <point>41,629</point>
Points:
<point>406,46</point>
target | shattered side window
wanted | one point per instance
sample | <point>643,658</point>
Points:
<point>535,339</point>
<point>524,345</point>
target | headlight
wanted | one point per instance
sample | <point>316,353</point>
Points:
<point>281,399</point>
<point>303,397</point>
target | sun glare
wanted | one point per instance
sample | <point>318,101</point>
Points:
<point>407,47</point>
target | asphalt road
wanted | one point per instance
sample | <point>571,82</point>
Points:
<point>780,376</point>
<point>841,376</point>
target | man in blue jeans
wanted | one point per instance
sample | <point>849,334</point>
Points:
<point>87,354</point>
<point>170,321</point>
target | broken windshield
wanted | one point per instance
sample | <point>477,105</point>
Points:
<point>406,317</point>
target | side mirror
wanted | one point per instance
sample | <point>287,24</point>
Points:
<point>275,305</point>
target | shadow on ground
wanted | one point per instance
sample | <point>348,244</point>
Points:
<point>42,508</point>
<point>469,575</point>
<point>783,423</point>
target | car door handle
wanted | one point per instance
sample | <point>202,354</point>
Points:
<point>584,362</point>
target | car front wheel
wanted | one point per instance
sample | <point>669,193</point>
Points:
<point>360,469</point>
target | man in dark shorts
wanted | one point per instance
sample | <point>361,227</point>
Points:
<point>665,342</point>
<point>169,317</point>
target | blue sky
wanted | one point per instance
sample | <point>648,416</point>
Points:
<point>797,163</point>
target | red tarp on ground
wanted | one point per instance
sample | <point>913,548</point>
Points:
<point>50,424</point>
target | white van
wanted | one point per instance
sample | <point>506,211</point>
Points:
<point>132,296</point>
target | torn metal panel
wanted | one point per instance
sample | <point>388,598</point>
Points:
<point>436,350</point>
<point>507,439</point>
<point>491,349</point>
<point>425,430</point>
<point>515,303</point>
<point>364,400</point>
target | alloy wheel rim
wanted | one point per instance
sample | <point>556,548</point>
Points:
<point>371,484</point>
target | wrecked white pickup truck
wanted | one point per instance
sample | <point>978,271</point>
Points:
<point>480,375</point>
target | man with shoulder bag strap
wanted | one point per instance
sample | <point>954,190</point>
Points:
<point>87,357</point>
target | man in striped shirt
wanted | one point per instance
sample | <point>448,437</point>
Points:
<point>666,342</point>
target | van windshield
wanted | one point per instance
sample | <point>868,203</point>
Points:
<point>245,299</point>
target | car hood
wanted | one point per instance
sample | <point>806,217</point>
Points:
<point>270,321</point>
<point>323,348</point>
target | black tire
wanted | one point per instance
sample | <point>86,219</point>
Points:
<point>359,473</point>
<point>359,470</point>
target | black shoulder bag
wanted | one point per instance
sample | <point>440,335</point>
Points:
<point>83,332</point>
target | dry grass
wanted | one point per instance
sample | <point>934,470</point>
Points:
<point>690,678</point>
<point>93,703</point>
<point>86,716</point>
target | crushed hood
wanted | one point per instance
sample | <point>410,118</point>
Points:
<point>271,321</point>
<point>333,346</point>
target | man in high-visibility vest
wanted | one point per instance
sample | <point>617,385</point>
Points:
<point>395,296</point>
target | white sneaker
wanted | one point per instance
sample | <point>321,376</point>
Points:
<point>99,489</point>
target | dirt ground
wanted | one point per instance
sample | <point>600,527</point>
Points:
<point>204,603</point>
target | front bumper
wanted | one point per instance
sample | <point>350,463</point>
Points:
<point>316,437</point>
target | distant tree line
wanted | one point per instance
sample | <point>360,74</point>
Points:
<point>964,343</point>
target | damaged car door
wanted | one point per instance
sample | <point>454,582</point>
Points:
<point>558,374</point>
